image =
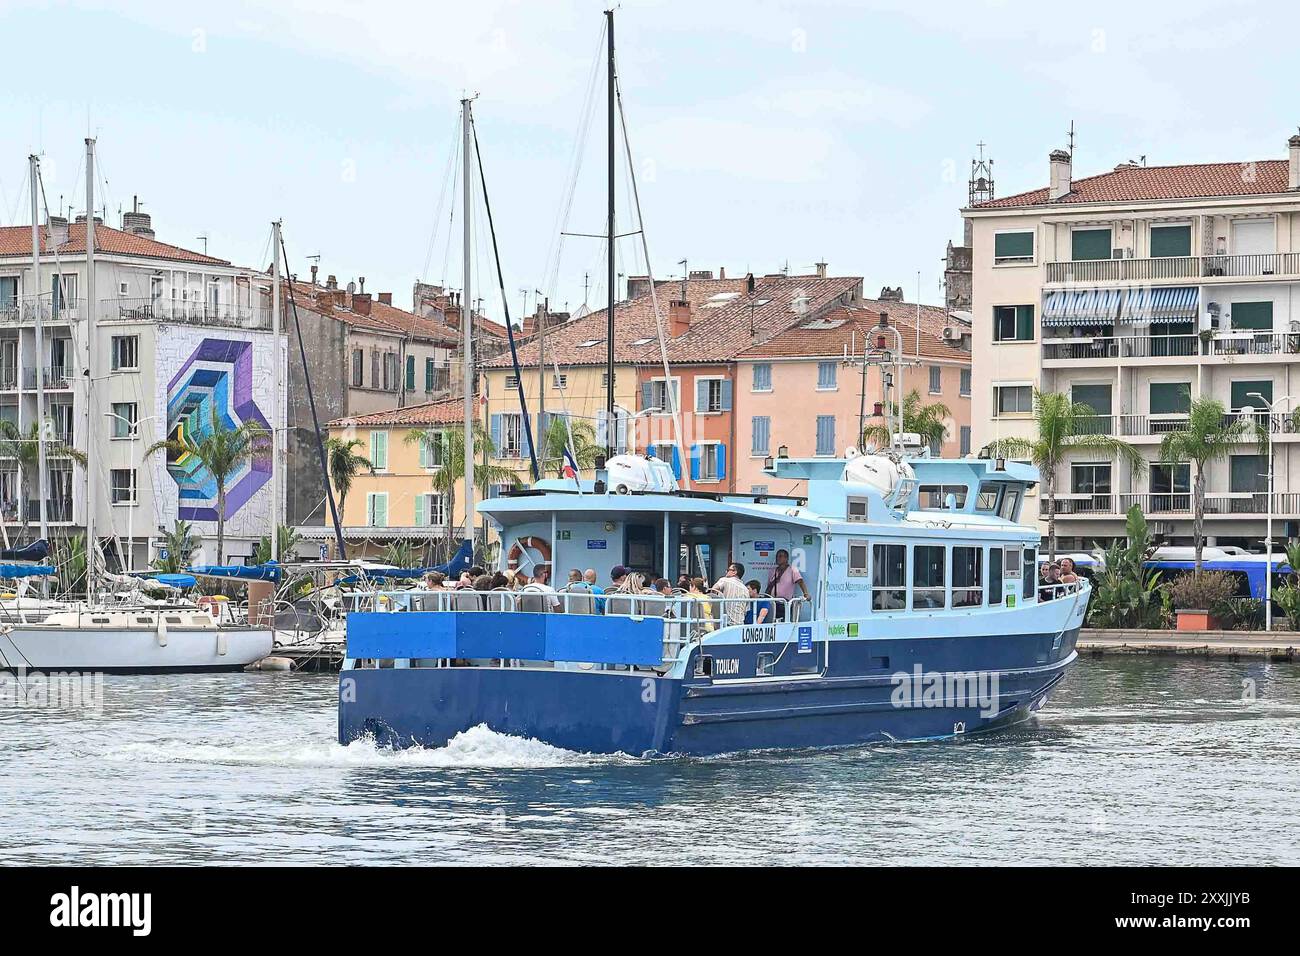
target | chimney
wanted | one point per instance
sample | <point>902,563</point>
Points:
<point>1293,167</point>
<point>891,295</point>
<point>57,227</point>
<point>679,317</point>
<point>361,303</point>
<point>1059,181</point>
<point>332,283</point>
<point>361,283</point>
<point>722,272</point>
<point>137,224</point>
<point>821,269</point>
<point>386,298</point>
<point>314,269</point>
<point>749,284</point>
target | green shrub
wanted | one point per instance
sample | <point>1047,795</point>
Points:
<point>1241,614</point>
<point>1206,591</point>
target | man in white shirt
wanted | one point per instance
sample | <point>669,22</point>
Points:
<point>731,587</point>
<point>541,575</point>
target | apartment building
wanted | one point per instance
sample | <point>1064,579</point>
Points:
<point>804,393</point>
<point>1135,291</point>
<point>708,321</point>
<point>178,335</point>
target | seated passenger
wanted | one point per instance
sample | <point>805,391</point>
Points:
<point>433,581</point>
<point>621,599</point>
<point>702,606</point>
<point>540,582</point>
<point>589,579</point>
<point>756,611</point>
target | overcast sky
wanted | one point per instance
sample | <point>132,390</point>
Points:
<point>766,134</point>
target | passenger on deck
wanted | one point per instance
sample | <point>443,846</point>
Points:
<point>731,586</point>
<point>575,576</point>
<point>1068,573</point>
<point>500,581</point>
<point>784,579</point>
<point>433,581</point>
<point>617,574</point>
<point>589,578</point>
<point>683,582</point>
<point>702,611</point>
<point>540,582</point>
<point>1048,585</point>
<point>758,612</point>
<point>519,581</point>
<point>466,580</point>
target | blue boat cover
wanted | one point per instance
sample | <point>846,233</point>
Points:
<point>36,551</point>
<point>271,571</point>
<point>10,571</point>
<point>506,634</point>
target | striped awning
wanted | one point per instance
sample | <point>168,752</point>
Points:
<point>1146,305</point>
<point>1081,307</point>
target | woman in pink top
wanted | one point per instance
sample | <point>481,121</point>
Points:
<point>784,579</point>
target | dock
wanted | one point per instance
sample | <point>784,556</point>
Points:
<point>312,658</point>
<point>1230,645</point>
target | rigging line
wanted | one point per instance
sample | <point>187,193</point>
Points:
<point>672,400</point>
<point>451,215</point>
<point>554,254</point>
<point>505,305</point>
<point>311,401</point>
<point>442,196</point>
<point>12,217</point>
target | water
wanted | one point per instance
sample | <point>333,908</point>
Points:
<point>1135,761</point>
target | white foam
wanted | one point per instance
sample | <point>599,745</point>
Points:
<point>476,748</point>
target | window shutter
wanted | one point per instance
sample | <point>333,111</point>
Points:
<point>495,425</point>
<point>726,394</point>
<point>722,460</point>
<point>425,456</point>
<point>381,509</point>
<point>677,462</point>
<point>647,398</point>
<point>428,375</point>
<point>695,463</point>
<point>620,431</point>
<point>525,446</point>
<point>602,428</point>
<point>701,395</point>
<point>410,373</point>
<point>421,519</point>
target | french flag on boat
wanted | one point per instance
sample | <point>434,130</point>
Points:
<point>570,466</point>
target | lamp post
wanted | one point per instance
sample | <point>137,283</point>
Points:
<point>133,428</point>
<point>1268,544</point>
<point>631,419</point>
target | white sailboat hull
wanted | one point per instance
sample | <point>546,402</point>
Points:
<point>131,650</point>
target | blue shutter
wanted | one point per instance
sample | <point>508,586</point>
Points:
<point>701,395</point>
<point>420,518</point>
<point>496,434</point>
<point>677,462</point>
<point>722,460</point>
<point>695,463</point>
<point>647,400</point>
<point>726,394</point>
<point>525,446</point>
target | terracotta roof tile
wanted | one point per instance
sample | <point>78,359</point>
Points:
<point>1137,183</point>
<point>17,241</point>
<point>382,317</point>
<point>449,411</point>
<point>830,335</point>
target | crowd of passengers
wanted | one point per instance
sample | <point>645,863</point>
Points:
<point>1053,575</point>
<point>730,600</point>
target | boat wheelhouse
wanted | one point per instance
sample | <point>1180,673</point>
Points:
<point>923,619</point>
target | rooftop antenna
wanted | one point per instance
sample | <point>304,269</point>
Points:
<point>203,237</point>
<point>682,263</point>
<point>980,185</point>
<point>1071,139</point>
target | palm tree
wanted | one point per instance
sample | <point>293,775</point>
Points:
<point>221,452</point>
<point>448,476</point>
<point>345,463</point>
<point>24,447</point>
<point>927,420</point>
<point>1063,426</point>
<point>286,537</point>
<point>180,544</point>
<point>70,561</point>
<point>1209,435</point>
<point>584,447</point>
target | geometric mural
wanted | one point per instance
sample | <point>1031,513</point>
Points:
<point>216,378</point>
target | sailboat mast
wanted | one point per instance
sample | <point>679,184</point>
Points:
<point>611,422</point>
<point>35,164</point>
<point>467,317</point>
<point>275,388</point>
<point>91,314</point>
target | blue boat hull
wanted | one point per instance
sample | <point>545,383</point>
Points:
<point>854,699</point>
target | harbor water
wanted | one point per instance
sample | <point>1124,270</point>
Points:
<point>1135,761</point>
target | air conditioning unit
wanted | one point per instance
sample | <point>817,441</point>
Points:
<point>1295,326</point>
<point>951,334</point>
<point>1117,253</point>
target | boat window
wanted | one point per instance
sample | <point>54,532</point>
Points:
<point>857,509</point>
<point>987,499</point>
<point>933,497</point>
<point>99,620</point>
<point>1011,564</point>
<point>967,577</point>
<point>766,664</point>
<point>857,558</point>
<point>143,620</point>
<point>929,577</point>
<point>995,575</point>
<point>888,580</point>
<point>1030,582</point>
<point>173,620</point>
<point>1010,505</point>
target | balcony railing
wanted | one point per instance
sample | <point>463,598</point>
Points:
<point>1123,346</point>
<point>189,312</point>
<point>1255,343</point>
<point>1178,503</point>
<point>1139,425</point>
<point>69,310</point>
<point>57,376</point>
<point>1174,268</point>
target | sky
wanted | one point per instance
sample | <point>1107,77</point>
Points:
<point>765,135</point>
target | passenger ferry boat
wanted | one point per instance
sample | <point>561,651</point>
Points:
<point>924,619</point>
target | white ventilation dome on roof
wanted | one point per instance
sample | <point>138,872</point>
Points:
<point>878,472</point>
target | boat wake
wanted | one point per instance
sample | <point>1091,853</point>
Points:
<point>475,749</point>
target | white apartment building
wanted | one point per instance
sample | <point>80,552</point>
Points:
<point>177,334</point>
<point>1135,291</point>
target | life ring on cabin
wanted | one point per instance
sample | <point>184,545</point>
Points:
<point>517,551</point>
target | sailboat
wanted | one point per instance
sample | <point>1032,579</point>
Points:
<point>121,631</point>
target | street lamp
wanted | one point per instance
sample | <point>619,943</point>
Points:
<point>631,418</point>
<point>1268,544</point>
<point>133,428</point>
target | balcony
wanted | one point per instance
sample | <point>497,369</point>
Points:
<point>55,377</point>
<point>1122,346</point>
<point>1174,269</point>
<point>191,312</point>
<point>1222,505</point>
<point>25,312</point>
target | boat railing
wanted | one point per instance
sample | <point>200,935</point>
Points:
<point>687,617</point>
<point>1054,592</point>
